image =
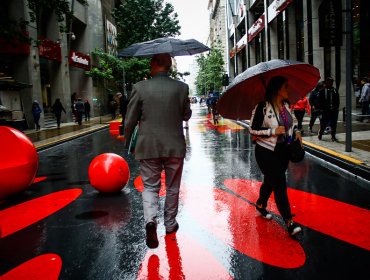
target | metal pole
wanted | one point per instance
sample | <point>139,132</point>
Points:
<point>268,55</point>
<point>348,32</point>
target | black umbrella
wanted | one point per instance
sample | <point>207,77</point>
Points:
<point>175,47</point>
<point>248,88</point>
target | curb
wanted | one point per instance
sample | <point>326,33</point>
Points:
<point>69,138</point>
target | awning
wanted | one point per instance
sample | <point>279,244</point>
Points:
<point>13,85</point>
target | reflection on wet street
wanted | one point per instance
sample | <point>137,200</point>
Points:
<point>62,228</point>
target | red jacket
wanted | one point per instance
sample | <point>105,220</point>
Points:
<point>302,105</point>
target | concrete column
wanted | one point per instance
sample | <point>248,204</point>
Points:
<point>274,44</point>
<point>292,33</point>
<point>318,52</point>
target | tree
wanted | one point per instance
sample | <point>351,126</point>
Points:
<point>211,71</point>
<point>144,20</point>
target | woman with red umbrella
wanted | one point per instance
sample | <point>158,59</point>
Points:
<point>272,126</point>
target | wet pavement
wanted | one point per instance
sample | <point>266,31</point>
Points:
<point>62,228</point>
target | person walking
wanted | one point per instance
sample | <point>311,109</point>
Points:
<point>58,109</point>
<point>80,109</point>
<point>160,105</point>
<point>36,113</point>
<point>365,98</point>
<point>87,108</point>
<point>329,104</point>
<point>272,126</point>
<point>123,102</point>
<point>313,100</point>
<point>299,109</point>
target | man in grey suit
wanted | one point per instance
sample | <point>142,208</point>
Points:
<point>160,104</point>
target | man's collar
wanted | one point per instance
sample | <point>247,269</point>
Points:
<point>162,74</point>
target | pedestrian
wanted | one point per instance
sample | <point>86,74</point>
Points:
<point>329,104</point>
<point>112,106</point>
<point>58,109</point>
<point>314,103</point>
<point>160,104</point>
<point>215,113</point>
<point>272,126</point>
<point>123,102</point>
<point>365,98</point>
<point>80,109</point>
<point>73,101</point>
<point>36,113</point>
<point>299,109</point>
<point>87,108</point>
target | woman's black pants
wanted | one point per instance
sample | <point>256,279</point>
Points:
<point>273,165</point>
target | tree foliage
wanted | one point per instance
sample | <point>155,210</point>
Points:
<point>143,20</point>
<point>211,71</point>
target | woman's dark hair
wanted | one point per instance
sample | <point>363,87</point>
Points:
<point>273,86</point>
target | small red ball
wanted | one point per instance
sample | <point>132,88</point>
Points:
<point>18,161</point>
<point>109,173</point>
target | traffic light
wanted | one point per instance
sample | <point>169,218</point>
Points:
<point>225,80</point>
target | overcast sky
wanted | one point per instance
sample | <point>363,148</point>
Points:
<point>194,21</point>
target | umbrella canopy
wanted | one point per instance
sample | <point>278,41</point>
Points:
<point>175,47</point>
<point>248,88</point>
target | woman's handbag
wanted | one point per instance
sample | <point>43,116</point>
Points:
<point>296,151</point>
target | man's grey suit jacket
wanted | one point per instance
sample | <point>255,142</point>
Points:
<point>161,104</point>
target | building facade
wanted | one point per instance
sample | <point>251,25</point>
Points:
<point>54,65</point>
<point>312,31</point>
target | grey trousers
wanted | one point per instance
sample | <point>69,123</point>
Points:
<point>150,170</point>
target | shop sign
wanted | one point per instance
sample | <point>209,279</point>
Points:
<point>256,28</point>
<point>14,46</point>
<point>50,50</point>
<point>80,60</point>
<point>273,11</point>
<point>276,8</point>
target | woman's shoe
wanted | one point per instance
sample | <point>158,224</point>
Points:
<point>264,212</point>
<point>293,228</point>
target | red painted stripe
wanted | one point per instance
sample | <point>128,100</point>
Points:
<point>44,267</point>
<point>39,179</point>
<point>25,214</point>
<point>139,185</point>
<point>236,223</point>
<point>337,219</point>
<point>181,257</point>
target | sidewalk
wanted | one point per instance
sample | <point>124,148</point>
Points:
<point>356,162</point>
<point>48,137</point>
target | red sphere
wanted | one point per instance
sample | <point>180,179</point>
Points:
<point>18,161</point>
<point>109,173</point>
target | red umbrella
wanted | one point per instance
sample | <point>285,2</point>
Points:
<point>248,88</point>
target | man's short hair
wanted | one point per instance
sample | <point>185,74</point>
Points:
<point>365,79</point>
<point>329,79</point>
<point>163,60</point>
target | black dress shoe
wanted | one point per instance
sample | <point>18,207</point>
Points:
<point>175,229</point>
<point>151,235</point>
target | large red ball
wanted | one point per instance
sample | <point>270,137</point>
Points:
<point>109,173</point>
<point>18,161</point>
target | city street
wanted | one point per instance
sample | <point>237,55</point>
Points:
<point>62,228</point>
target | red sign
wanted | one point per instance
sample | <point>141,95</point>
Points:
<point>14,46</point>
<point>50,50</point>
<point>256,27</point>
<point>80,60</point>
<point>273,11</point>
